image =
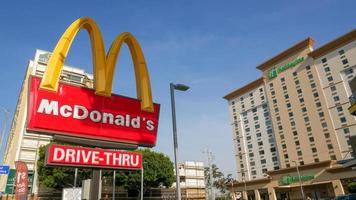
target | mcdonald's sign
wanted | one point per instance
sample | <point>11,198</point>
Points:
<point>64,109</point>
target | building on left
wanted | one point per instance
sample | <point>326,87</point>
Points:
<point>23,145</point>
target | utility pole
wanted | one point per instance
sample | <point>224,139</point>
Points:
<point>211,178</point>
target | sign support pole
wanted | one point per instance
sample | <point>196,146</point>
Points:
<point>142,183</point>
<point>94,185</point>
<point>75,177</point>
<point>113,184</point>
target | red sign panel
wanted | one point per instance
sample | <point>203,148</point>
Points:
<point>90,157</point>
<point>77,111</point>
<point>21,180</point>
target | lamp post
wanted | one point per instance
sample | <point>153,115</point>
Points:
<point>3,130</point>
<point>300,180</point>
<point>173,87</point>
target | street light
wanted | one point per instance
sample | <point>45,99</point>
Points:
<point>173,87</point>
<point>300,180</point>
<point>3,130</point>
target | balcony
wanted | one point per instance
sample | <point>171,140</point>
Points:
<point>352,100</point>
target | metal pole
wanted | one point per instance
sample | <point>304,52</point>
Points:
<point>75,177</point>
<point>175,142</point>
<point>3,130</point>
<point>142,183</point>
<point>113,185</point>
<point>95,185</point>
<point>300,180</point>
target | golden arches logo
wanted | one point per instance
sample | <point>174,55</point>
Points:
<point>103,66</point>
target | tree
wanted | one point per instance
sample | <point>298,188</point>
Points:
<point>158,172</point>
<point>220,181</point>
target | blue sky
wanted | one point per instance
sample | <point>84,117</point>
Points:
<point>212,46</point>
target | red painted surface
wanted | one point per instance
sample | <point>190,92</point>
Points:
<point>21,180</point>
<point>114,118</point>
<point>91,157</point>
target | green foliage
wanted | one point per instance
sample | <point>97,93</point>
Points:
<point>158,172</point>
<point>58,177</point>
<point>220,198</point>
<point>352,187</point>
<point>220,181</point>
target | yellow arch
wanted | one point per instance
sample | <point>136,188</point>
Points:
<point>103,67</point>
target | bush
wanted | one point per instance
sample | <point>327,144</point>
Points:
<point>352,187</point>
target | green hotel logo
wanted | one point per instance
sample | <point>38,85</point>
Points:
<point>277,70</point>
<point>287,180</point>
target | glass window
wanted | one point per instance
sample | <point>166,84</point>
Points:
<point>297,82</point>
<point>286,156</point>
<point>286,96</point>
<point>346,130</point>
<point>297,143</point>
<point>262,152</point>
<point>299,153</point>
<point>310,76</point>
<point>326,69</point>
<point>312,85</point>
<point>323,60</point>
<point>324,124</point>
<point>301,100</point>
<point>290,114</point>
<point>273,93</point>
<point>318,104</point>
<point>257,126</point>
<point>299,91</point>
<point>306,119</point>
<point>336,98</point>
<point>341,52</point>
<point>349,71</point>
<point>271,84</point>
<point>314,150</point>
<point>284,87</point>
<point>273,149</point>
<point>316,94</point>
<point>304,109</point>
<point>311,139</point>
<point>330,146</point>
<point>282,79</point>
<point>333,88</point>
<point>321,114</point>
<point>345,61</point>
<point>288,105</point>
<point>330,78</point>
<point>294,73</point>
<point>263,161</point>
<point>339,108</point>
<point>343,119</point>
<point>307,67</point>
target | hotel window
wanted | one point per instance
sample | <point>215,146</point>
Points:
<point>286,156</point>
<point>264,170</point>
<point>254,110</point>
<point>290,114</point>
<point>274,101</point>
<point>333,88</point>
<point>324,124</point>
<point>318,104</point>
<point>310,76</point>
<point>258,134</point>
<point>248,138</point>
<point>326,69</point>
<point>252,102</point>
<point>301,163</point>
<point>242,106</point>
<point>241,99</point>
<point>321,114</point>
<point>286,96</point>
<point>255,118</point>
<point>336,98</point>
<point>257,126</point>
<point>311,139</point>
<point>250,154</point>
<point>349,71</point>
<point>330,78</point>
<point>295,133</point>
<point>294,73</point>
<point>263,161</point>
<point>316,95</point>
<point>273,93</point>
<point>346,130</point>
<point>327,135</point>
<point>301,100</point>
<point>249,146</point>
<point>309,129</point>
<point>269,131</point>
<point>284,87</point>
<point>262,98</point>
<point>304,109</point>
<point>343,119</point>
<point>274,159</point>
<point>261,90</point>
<point>333,157</point>
<point>247,129</point>
<point>284,146</point>
<point>308,67</point>
<point>299,91</point>
<point>252,163</point>
<point>299,153</point>
<point>341,52</point>
<point>288,105</point>
<point>262,152</point>
<point>297,143</point>
<point>287,165</point>
<point>251,94</point>
<point>297,82</point>
<point>306,119</point>
<point>246,121</point>
<point>339,108</point>
<point>273,149</point>
<point>316,160</point>
<point>312,85</point>
<point>323,60</point>
<point>280,127</point>
<point>314,150</point>
<point>292,123</point>
<point>282,79</point>
<point>345,61</point>
<point>271,84</point>
<point>330,146</point>
<point>276,110</point>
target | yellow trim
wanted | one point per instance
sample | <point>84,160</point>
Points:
<point>103,67</point>
<point>352,109</point>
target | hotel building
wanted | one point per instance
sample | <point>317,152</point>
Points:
<point>307,94</point>
<point>22,145</point>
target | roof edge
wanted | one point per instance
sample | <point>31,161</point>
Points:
<point>334,44</point>
<point>295,48</point>
<point>244,88</point>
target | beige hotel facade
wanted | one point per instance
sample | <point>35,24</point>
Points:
<point>307,93</point>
